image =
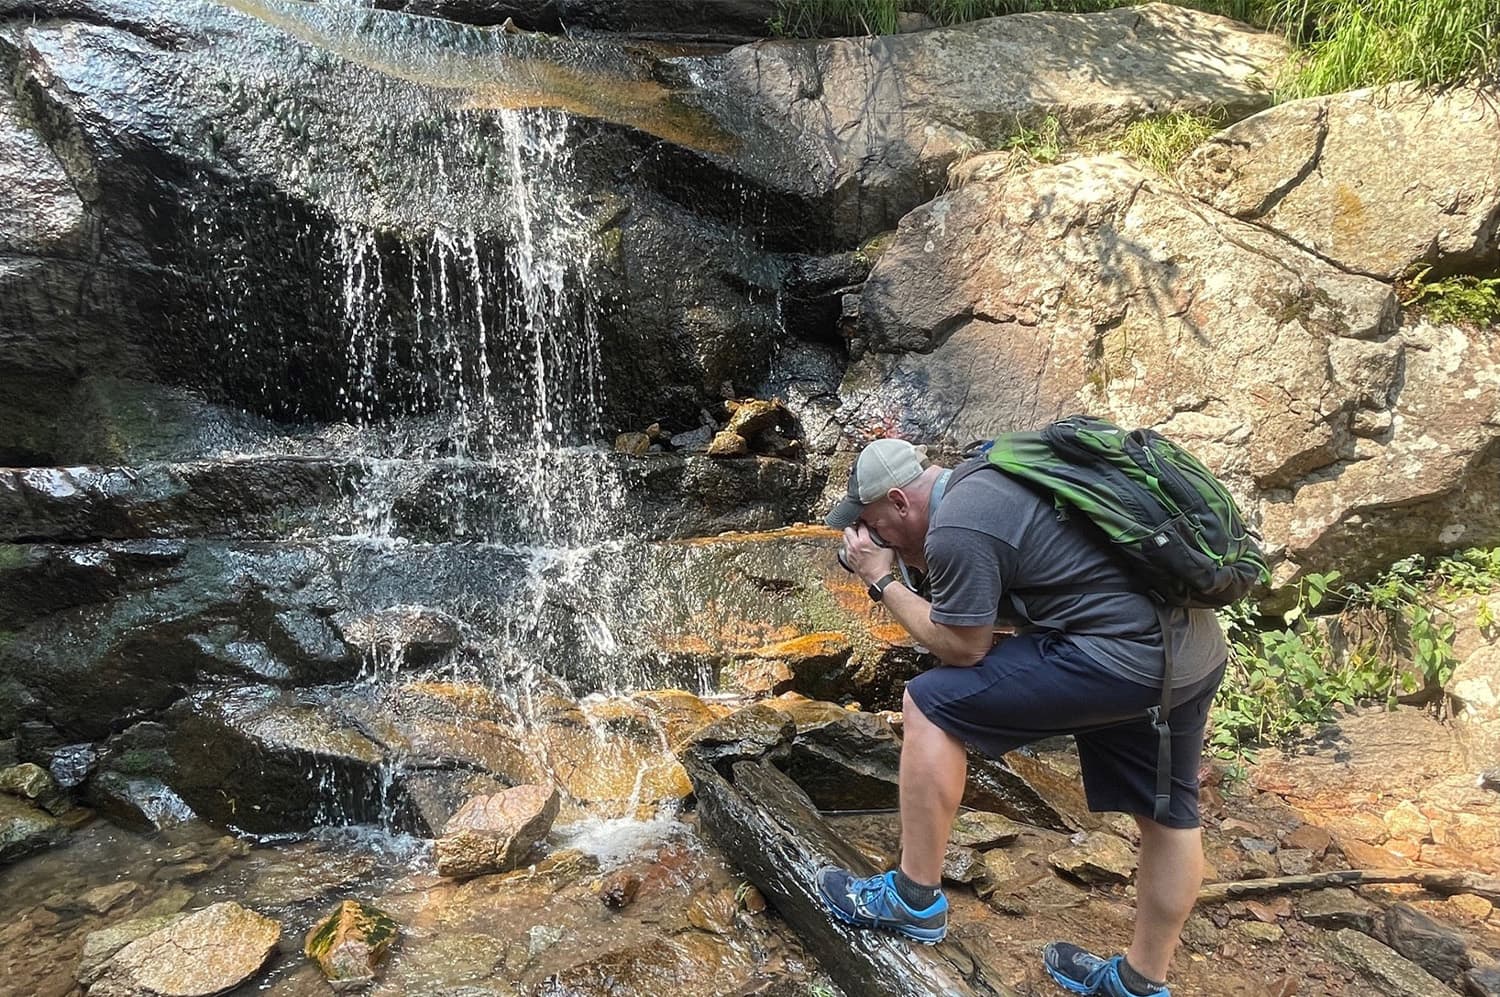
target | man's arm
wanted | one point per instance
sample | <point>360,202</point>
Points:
<point>960,646</point>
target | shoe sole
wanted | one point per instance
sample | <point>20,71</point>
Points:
<point>892,929</point>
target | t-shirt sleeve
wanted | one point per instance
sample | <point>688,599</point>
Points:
<point>968,570</point>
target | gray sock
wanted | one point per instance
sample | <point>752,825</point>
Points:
<point>1143,986</point>
<point>914,894</point>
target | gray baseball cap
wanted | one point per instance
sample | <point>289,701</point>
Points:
<point>881,466</point>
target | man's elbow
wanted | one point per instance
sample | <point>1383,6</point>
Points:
<point>964,656</point>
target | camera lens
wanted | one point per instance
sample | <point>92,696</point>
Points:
<point>844,561</point>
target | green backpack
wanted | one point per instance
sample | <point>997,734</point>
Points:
<point>1172,522</point>
<point>1161,510</point>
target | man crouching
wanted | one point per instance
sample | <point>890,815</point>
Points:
<point>1088,660</point>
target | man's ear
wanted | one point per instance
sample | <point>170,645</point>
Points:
<point>899,501</point>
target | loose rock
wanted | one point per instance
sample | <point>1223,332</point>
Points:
<point>494,833</point>
<point>1097,858</point>
<point>350,944</point>
<point>1390,973</point>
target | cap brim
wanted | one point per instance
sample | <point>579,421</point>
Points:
<point>845,514</point>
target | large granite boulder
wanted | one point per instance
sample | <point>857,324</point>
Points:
<point>1088,286</point>
<point>1374,180</point>
<point>864,129</point>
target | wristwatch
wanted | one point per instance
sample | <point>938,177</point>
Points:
<point>877,588</point>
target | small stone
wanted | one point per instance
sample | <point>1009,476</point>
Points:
<point>1260,932</point>
<point>102,899</point>
<point>350,944</point>
<point>1097,858</point>
<point>1404,822</point>
<point>1309,837</point>
<point>1294,861</point>
<point>32,782</point>
<point>750,416</point>
<point>694,440</point>
<point>1363,856</point>
<point>542,937</point>
<point>1200,934</point>
<point>980,829</point>
<point>727,444</point>
<point>713,912</point>
<point>998,870</point>
<point>1483,981</point>
<point>619,889</point>
<point>634,444</point>
<point>1471,907</point>
<point>1417,937</point>
<point>961,865</point>
<point>25,828</point>
<point>185,870</point>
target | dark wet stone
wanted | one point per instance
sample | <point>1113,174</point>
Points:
<point>263,745</point>
<point>411,636</point>
<point>1442,952</point>
<point>143,803</point>
<point>71,764</point>
<point>746,733</point>
<point>1482,982</point>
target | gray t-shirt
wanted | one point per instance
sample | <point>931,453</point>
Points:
<point>992,537</point>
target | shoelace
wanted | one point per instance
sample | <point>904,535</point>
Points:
<point>869,891</point>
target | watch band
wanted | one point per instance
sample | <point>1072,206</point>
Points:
<point>878,587</point>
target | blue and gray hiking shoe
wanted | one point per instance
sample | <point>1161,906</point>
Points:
<point>874,903</point>
<point>1083,972</point>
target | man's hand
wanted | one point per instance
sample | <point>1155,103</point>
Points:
<point>866,558</point>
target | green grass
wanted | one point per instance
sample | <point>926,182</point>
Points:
<point>1360,43</point>
<point>1165,141</point>
<point>1462,300</point>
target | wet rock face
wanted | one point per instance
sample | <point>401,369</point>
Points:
<point>195,955</point>
<point>1353,178</point>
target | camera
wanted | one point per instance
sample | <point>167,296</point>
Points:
<point>844,558</point>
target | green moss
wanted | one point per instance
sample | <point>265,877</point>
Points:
<point>13,555</point>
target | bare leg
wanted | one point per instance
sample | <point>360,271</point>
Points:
<point>933,770</point>
<point>1166,885</point>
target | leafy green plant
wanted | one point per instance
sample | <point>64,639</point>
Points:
<point>1166,140</point>
<point>1464,299</point>
<point>1394,637</point>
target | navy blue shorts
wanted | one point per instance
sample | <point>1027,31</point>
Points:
<point>1036,686</point>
